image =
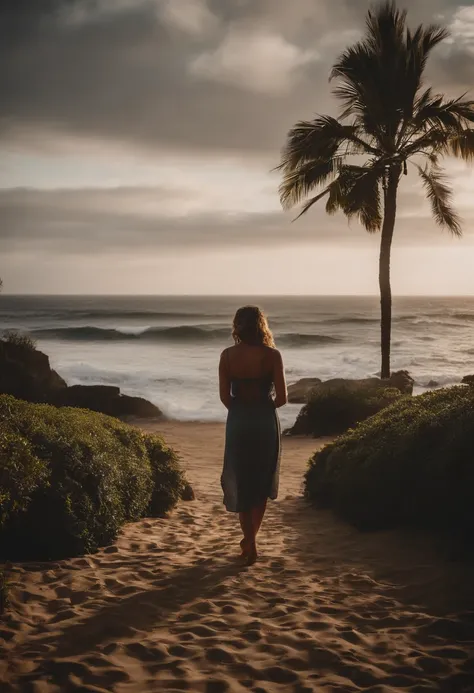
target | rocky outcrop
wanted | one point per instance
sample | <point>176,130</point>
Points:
<point>299,392</point>
<point>401,380</point>
<point>107,400</point>
<point>26,374</point>
<point>468,380</point>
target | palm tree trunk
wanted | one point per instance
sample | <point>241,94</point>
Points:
<point>390,213</point>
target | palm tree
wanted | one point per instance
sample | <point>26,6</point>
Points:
<point>389,119</point>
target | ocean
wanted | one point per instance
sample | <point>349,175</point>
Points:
<point>167,348</point>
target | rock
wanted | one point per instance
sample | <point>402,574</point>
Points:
<point>84,395</point>
<point>138,407</point>
<point>107,399</point>
<point>26,373</point>
<point>433,383</point>
<point>187,494</point>
<point>402,380</point>
<point>299,391</point>
<point>468,380</point>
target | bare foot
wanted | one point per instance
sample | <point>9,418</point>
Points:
<point>252,555</point>
<point>245,545</point>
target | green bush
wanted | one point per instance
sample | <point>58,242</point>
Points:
<point>165,492</point>
<point>410,465</point>
<point>69,478</point>
<point>333,410</point>
<point>19,339</point>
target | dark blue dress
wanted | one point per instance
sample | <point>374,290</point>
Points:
<point>252,445</point>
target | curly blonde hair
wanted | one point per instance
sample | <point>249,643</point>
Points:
<point>250,326</point>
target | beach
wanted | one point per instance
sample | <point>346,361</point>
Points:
<point>167,607</point>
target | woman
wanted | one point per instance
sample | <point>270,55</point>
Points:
<point>252,386</point>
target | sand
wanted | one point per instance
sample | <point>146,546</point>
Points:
<point>168,608</point>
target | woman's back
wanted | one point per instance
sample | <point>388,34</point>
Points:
<point>251,372</point>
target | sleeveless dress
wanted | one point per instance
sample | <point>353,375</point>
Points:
<point>252,445</point>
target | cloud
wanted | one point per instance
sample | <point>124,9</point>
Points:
<point>462,28</point>
<point>209,77</point>
<point>154,219</point>
<point>190,16</point>
<point>260,61</point>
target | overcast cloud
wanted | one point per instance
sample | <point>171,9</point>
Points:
<point>188,87</point>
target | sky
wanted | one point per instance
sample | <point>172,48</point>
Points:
<point>138,141</point>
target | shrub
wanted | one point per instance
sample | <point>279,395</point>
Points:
<point>24,341</point>
<point>165,491</point>
<point>332,410</point>
<point>410,465</point>
<point>69,478</point>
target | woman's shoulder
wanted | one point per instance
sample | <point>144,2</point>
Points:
<point>273,351</point>
<point>226,355</point>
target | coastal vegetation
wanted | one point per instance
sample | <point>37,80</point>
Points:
<point>411,465</point>
<point>70,478</point>
<point>18,339</point>
<point>332,411</point>
<point>389,120</point>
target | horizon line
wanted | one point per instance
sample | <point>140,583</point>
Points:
<point>255,295</point>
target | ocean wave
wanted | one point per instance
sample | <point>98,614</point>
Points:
<point>302,340</point>
<point>439,318</point>
<point>182,333</point>
<point>347,320</point>
<point>463,316</point>
<point>88,333</point>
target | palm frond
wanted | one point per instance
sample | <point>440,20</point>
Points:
<point>433,142</point>
<point>298,182</point>
<point>424,40</point>
<point>419,44</point>
<point>362,91</point>
<point>461,145</point>
<point>314,199</point>
<point>385,26</point>
<point>356,192</point>
<point>440,196</point>
<point>360,195</point>
<point>435,111</point>
<point>335,198</point>
<point>321,139</point>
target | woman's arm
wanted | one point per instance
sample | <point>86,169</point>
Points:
<point>224,380</point>
<point>281,395</point>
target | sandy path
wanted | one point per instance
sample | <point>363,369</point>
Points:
<point>166,608</point>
